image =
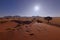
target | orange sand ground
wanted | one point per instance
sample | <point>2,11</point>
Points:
<point>36,31</point>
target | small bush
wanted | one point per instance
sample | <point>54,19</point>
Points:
<point>3,22</point>
<point>17,26</point>
<point>21,22</point>
<point>17,21</point>
<point>39,21</point>
<point>27,22</point>
<point>10,29</point>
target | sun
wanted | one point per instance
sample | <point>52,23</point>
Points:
<point>36,8</point>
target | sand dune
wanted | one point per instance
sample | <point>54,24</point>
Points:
<point>33,31</point>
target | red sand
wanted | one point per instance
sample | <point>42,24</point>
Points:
<point>39,31</point>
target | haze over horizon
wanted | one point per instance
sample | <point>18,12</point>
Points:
<point>26,8</point>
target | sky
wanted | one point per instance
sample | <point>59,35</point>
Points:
<point>27,8</point>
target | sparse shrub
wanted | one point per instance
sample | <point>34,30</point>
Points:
<point>7,18</point>
<point>10,29</point>
<point>34,19</point>
<point>39,21</point>
<point>27,22</point>
<point>17,26</point>
<point>21,22</point>
<point>3,22</point>
<point>48,18</point>
<point>17,21</point>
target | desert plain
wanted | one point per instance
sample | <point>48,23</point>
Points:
<point>16,29</point>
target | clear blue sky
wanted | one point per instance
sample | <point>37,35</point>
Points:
<point>26,7</point>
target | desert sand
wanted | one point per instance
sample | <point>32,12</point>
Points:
<point>32,31</point>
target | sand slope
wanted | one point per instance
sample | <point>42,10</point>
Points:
<point>33,31</point>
